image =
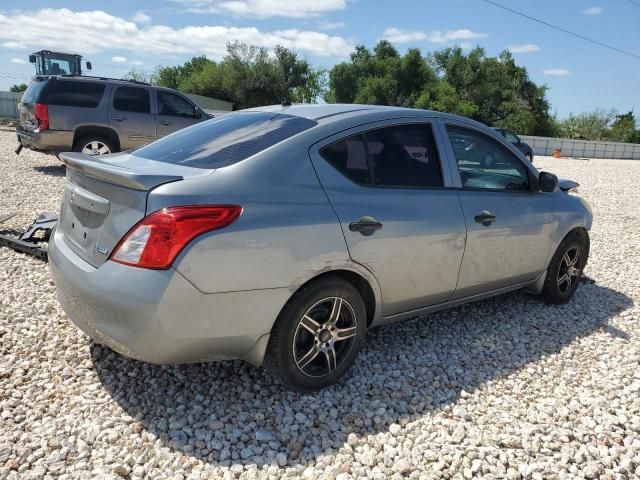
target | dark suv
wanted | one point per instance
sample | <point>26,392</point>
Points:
<point>99,115</point>
<point>525,148</point>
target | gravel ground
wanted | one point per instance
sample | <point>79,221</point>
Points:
<point>504,388</point>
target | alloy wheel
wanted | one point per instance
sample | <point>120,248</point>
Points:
<point>568,273</point>
<point>96,147</point>
<point>324,336</point>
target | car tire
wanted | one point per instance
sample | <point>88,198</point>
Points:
<point>95,145</point>
<point>317,336</point>
<point>565,270</point>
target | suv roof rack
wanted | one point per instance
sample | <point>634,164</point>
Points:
<point>42,77</point>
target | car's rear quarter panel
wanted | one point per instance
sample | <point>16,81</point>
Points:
<point>287,232</point>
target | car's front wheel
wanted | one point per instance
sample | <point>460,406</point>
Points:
<point>317,336</point>
<point>565,270</point>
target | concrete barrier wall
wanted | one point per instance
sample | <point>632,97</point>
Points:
<point>583,148</point>
<point>9,104</point>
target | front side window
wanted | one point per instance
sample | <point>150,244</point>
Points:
<point>398,156</point>
<point>484,163</point>
<point>174,105</point>
<point>132,99</point>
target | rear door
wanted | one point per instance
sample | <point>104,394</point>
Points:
<point>174,113</point>
<point>509,223</point>
<point>130,116</point>
<point>387,186</point>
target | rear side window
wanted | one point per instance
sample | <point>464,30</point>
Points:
<point>132,99</point>
<point>33,91</point>
<point>225,140</point>
<point>399,156</point>
<point>69,93</point>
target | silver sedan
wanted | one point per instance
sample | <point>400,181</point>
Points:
<point>279,235</point>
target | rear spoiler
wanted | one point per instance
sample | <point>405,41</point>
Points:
<point>94,167</point>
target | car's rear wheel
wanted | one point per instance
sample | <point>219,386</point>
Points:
<point>565,270</point>
<point>95,145</point>
<point>317,336</point>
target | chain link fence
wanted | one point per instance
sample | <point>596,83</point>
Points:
<point>583,148</point>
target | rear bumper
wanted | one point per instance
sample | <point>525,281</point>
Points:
<point>157,316</point>
<point>47,141</point>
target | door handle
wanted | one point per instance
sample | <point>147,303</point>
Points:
<point>164,122</point>
<point>118,118</point>
<point>485,217</point>
<point>366,226</point>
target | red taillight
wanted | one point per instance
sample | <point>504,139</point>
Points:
<point>42,115</point>
<point>158,238</point>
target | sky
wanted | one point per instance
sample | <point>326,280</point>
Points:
<point>122,34</point>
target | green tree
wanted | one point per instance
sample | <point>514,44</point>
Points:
<point>18,87</point>
<point>248,76</point>
<point>625,129</point>
<point>587,126</point>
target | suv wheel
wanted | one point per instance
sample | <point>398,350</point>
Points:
<point>94,145</point>
<point>565,270</point>
<point>318,335</point>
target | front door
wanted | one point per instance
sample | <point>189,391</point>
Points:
<point>509,223</point>
<point>386,187</point>
<point>130,116</point>
<point>174,113</point>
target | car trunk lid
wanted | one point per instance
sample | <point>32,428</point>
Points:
<point>107,195</point>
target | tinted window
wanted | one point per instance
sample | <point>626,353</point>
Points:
<point>132,99</point>
<point>69,93</point>
<point>225,140</point>
<point>511,137</point>
<point>402,156</point>
<point>485,163</point>
<point>174,105</point>
<point>33,91</point>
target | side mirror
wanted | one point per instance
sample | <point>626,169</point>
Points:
<point>198,114</point>
<point>547,182</point>
<point>32,59</point>
<point>88,65</point>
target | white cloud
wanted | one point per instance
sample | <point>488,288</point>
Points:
<point>325,25</point>
<point>396,35</point>
<point>593,11</point>
<point>14,45</point>
<point>556,72</point>
<point>78,32</point>
<point>119,59</point>
<point>137,63</point>
<point>19,61</point>
<point>141,17</point>
<point>524,48</point>
<point>264,8</point>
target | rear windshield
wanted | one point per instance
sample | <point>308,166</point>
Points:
<point>32,93</point>
<point>70,93</point>
<point>225,140</point>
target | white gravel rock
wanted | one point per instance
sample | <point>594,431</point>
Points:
<point>504,388</point>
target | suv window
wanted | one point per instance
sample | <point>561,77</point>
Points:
<point>32,93</point>
<point>132,99</point>
<point>484,163</point>
<point>225,140</point>
<point>399,156</point>
<point>511,137</point>
<point>174,105</point>
<point>70,93</point>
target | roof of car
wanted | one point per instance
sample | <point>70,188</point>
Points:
<point>319,111</point>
